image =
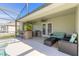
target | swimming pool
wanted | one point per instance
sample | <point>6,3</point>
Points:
<point>3,53</point>
<point>2,49</point>
<point>4,43</point>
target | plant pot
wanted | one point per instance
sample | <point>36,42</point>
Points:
<point>28,34</point>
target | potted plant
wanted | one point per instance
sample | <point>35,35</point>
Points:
<point>28,31</point>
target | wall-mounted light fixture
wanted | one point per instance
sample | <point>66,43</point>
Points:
<point>44,20</point>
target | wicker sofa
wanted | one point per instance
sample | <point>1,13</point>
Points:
<point>64,44</point>
<point>68,47</point>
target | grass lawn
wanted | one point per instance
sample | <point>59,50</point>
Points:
<point>6,35</point>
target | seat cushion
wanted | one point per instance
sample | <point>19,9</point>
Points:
<point>59,35</point>
<point>73,38</point>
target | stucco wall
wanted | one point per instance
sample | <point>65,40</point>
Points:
<point>37,26</point>
<point>63,23</point>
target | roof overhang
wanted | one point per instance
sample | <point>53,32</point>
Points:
<point>51,9</point>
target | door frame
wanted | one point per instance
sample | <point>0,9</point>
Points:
<point>46,23</point>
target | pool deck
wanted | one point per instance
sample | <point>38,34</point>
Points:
<point>30,47</point>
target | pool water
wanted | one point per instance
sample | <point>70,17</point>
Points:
<point>3,53</point>
<point>2,49</point>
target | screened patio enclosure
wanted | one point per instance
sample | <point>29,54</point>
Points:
<point>10,13</point>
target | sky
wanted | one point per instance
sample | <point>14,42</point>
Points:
<point>12,11</point>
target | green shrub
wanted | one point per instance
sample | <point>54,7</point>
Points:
<point>28,27</point>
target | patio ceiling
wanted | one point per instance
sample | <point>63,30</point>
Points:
<point>65,12</point>
<point>56,10</point>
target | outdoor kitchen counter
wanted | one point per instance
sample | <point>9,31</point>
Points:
<point>21,49</point>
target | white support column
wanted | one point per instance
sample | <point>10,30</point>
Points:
<point>21,26</point>
<point>77,24</point>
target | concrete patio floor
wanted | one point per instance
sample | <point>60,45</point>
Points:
<point>31,47</point>
<point>41,40</point>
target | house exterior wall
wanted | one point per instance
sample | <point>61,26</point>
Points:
<point>63,23</point>
<point>11,29</point>
<point>37,26</point>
